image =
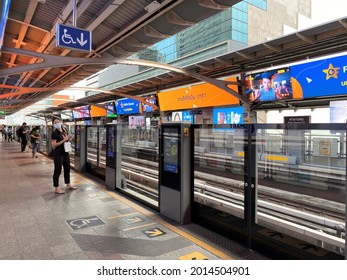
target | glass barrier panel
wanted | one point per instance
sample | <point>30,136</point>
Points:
<point>92,146</point>
<point>301,186</point>
<point>219,171</point>
<point>71,130</point>
<point>140,162</point>
<point>102,147</point>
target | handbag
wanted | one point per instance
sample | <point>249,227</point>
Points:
<point>67,147</point>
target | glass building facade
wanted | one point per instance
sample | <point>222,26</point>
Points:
<point>245,24</point>
<point>231,24</point>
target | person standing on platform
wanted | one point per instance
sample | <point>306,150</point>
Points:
<point>23,130</point>
<point>35,139</point>
<point>10,134</point>
<point>4,133</point>
<point>60,157</point>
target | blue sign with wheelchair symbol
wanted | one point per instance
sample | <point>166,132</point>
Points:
<point>73,38</point>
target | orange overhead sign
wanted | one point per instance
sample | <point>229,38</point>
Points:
<point>198,96</point>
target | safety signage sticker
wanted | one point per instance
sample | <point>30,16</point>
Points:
<point>85,222</point>
<point>193,256</point>
<point>133,220</point>
<point>153,232</point>
<point>72,37</point>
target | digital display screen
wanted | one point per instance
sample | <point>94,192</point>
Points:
<point>231,115</point>
<point>182,116</point>
<point>96,111</point>
<point>269,86</point>
<point>81,112</point>
<point>171,150</point>
<point>4,15</point>
<point>110,141</point>
<point>127,106</point>
<point>136,121</point>
<point>110,110</point>
<point>325,77</point>
<point>147,108</point>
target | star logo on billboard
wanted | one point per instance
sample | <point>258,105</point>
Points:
<point>331,72</point>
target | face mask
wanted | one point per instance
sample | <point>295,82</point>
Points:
<point>57,125</point>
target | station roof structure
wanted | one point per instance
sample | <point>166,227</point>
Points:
<point>121,28</point>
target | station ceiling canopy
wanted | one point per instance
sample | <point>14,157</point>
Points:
<point>119,28</point>
<point>326,39</point>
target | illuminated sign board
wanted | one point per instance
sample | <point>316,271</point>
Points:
<point>96,111</point>
<point>198,96</point>
<point>147,108</point>
<point>136,121</point>
<point>270,85</point>
<point>3,20</point>
<point>110,110</point>
<point>182,116</point>
<point>127,106</point>
<point>81,112</point>
<point>326,77</point>
<point>231,115</point>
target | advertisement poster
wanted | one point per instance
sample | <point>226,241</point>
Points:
<point>326,77</point>
<point>136,121</point>
<point>269,86</point>
<point>127,106</point>
<point>230,115</point>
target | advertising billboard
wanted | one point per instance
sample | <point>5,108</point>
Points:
<point>179,116</point>
<point>81,112</point>
<point>231,115</point>
<point>96,111</point>
<point>147,108</point>
<point>128,106</point>
<point>136,121</point>
<point>198,96</point>
<point>270,85</point>
<point>110,110</point>
<point>326,77</point>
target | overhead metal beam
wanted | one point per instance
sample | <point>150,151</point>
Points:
<point>50,61</point>
<point>23,90</point>
<point>308,39</point>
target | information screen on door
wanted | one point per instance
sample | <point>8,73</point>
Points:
<point>170,150</point>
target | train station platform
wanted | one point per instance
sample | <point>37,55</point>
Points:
<point>90,223</point>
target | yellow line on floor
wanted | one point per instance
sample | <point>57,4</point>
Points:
<point>159,220</point>
<point>120,216</point>
<point>139,227</point>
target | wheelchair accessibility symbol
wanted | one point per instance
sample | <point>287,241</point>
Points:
<point>72,37</point>
<point>66,38</point>
<point>85,222</point>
